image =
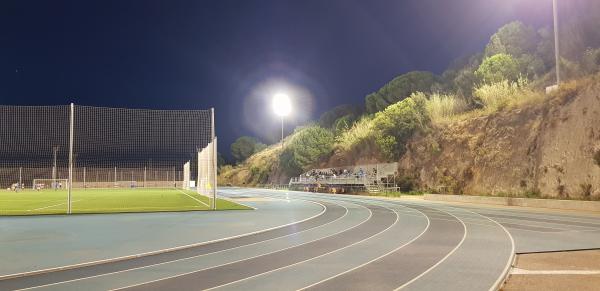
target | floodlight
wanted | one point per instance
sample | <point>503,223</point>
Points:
<point>281,104</point>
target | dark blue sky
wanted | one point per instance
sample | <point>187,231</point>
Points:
<point>223,54</point>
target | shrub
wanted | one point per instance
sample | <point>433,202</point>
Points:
<point>591,60</point>
<point>361,131</point>
<point>309,146</point>
<point>586,191</point>
<point>400,88</point>
<point>441,107</point>
<point>397,123</point>
<point>406,184</point>
<point>497,68</point>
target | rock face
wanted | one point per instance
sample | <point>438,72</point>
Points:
<point>544,149</point>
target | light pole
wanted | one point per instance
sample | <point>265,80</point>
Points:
<point>556,49</point>
<point>282,107</point>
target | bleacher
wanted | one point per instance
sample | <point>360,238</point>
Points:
<point>368,177</point>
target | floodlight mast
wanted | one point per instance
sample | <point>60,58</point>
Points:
<point>556,48</point>
<point>282,107</point>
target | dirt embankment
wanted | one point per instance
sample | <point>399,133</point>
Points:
<point>544,149</point>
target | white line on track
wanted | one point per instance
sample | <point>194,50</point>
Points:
<point>158,251</point>
<point>200,201</point>
<point>512,257</point>
<point>313,258</point>
<point>517,271</point>
<point>445,257</point>
<point>245,259</point>
<point>188,258</point>
<point>375,259</point>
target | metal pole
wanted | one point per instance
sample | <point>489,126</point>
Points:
<point>54,150</point>
<point>556,46</point>
<point>70,182</point>
<point>282,132</point>
<point>144,177</point>
<point>84,186</point>
<point>214,161</point>
<point>115,176</point>
<point>20,178</point>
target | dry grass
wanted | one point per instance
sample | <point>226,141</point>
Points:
<point>505,94</point>
<point>361,131</point>
<point>441,108</point>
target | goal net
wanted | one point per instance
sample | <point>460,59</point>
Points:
<point>86,147</point>
<point>54,184</point>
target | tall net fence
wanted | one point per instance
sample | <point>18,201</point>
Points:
<point>96,151</point>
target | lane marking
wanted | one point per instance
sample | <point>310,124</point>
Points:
<point>186,194</point>
<point>445,257</point>
<point>74,266</point>
<point>245,259</point>
<point>511,258</point>
<point>375,259</point>
<point>313,258</point>
<point>187,258</point>
<point>517,271</point>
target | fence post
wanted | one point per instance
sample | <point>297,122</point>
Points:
<point>214,157</point>
<point>144,177</point>
<point>84,186</point>
<point>70,182</point>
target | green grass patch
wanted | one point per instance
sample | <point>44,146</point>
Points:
<point>30,202</point>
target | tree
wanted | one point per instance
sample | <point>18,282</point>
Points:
<point>244,147</point>
<point>328,119</point>
<point>498,68</point>
<point>396,124</point>
<point>400,88</point>
<point>514,39</point>
<point>460,75</point>
<point>309,145</point>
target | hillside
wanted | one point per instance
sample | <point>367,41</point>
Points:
<point>486,126</point>
<point>545,149</point>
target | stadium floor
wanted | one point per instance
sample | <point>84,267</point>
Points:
<point>31,202</point>
<point>293,240</point>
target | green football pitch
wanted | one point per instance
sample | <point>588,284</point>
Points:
<point>30,202</point>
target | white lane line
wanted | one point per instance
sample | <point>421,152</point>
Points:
<point>245,259</point>
<point>41,208</point>
<point>511,258</point>
<point>445,257</point>
<point>314,258</point>
<point>375,259</point>
<point>188,258</point>
<point>159,251</point>
<point>517,271</point>
<point>200,201</point>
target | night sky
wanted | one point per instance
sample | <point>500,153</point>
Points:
<point>232,55</point>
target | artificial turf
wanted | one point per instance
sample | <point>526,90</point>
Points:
<point>30,202</point>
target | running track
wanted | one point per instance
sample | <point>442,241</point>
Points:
<point>292,241</point>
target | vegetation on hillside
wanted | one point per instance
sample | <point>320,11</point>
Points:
<point>513,70</point>
<point>244,147</point>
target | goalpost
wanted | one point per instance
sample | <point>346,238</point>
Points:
<point>55,184</point>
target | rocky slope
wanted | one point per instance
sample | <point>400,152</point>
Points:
<point>545,149</point>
